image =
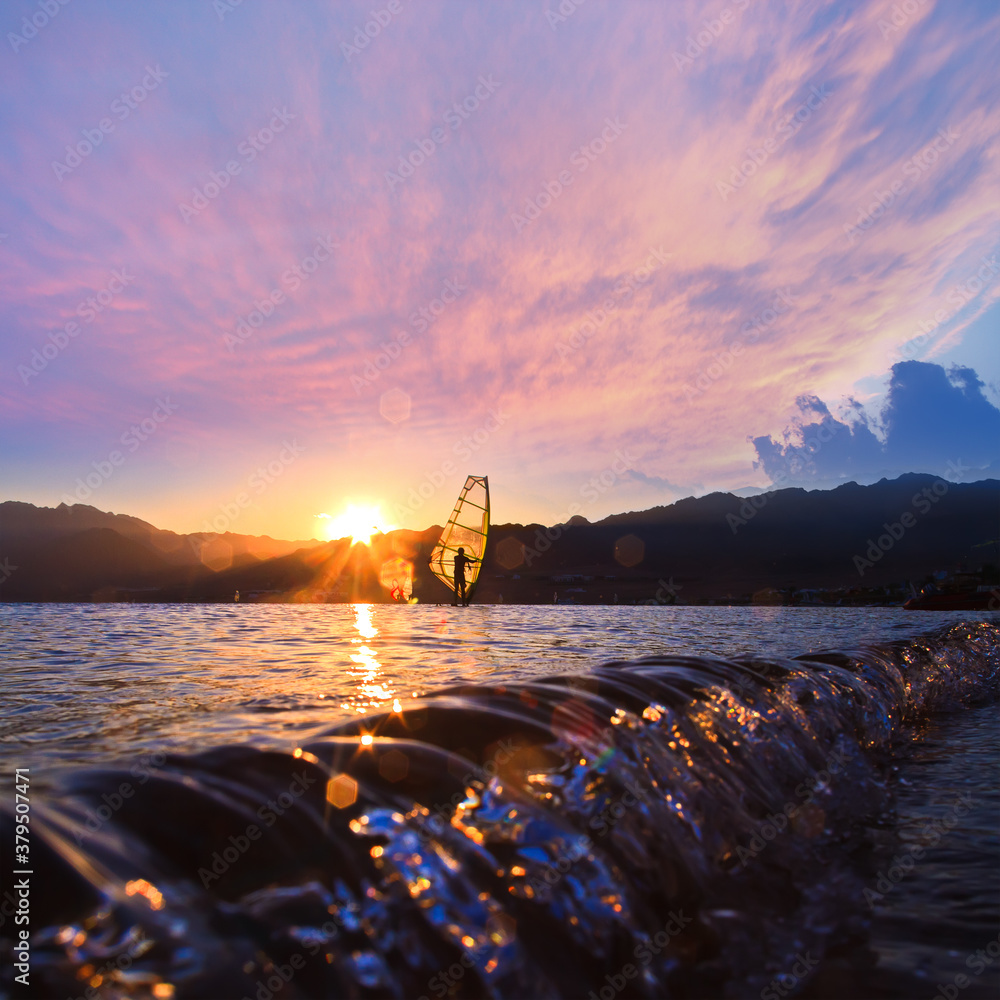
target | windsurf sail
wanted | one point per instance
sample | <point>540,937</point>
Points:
<point>467,528</point>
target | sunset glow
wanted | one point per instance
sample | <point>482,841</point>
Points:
<point>357,522</point>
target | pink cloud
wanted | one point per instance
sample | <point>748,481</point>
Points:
<point>865,110</point>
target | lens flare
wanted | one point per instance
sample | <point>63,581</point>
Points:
<point>358,521</point>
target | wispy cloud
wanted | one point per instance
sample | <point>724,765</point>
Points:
<point>813,169</point>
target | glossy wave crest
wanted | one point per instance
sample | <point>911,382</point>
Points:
<point>668,826</point>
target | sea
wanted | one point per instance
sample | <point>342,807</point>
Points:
<point>91,687</point>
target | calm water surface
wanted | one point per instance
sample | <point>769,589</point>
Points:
<point>945,908</point>
<point>90,683</point>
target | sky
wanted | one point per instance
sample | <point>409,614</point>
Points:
<point>260,261</point>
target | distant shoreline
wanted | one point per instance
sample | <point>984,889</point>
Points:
<point>860,546</point>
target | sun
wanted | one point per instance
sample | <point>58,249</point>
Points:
<point>358,521</point>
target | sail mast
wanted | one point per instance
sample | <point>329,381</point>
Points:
<point>467,528</point>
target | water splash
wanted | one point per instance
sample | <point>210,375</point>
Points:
<point>674,826</point>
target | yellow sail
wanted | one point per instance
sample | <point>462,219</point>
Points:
<point>467,528</point>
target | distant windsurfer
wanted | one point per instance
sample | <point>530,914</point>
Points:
<point>469,524</point>
<point>461,561</point>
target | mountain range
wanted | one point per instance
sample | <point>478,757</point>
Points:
<point>857,540</point>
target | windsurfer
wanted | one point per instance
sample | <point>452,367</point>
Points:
<point>469,525</point>
<point>461,561</point>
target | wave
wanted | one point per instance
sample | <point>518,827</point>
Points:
<point>667,826</point>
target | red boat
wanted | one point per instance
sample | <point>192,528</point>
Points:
<point>974,600</point>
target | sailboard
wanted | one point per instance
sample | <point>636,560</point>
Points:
<point>467,528</point>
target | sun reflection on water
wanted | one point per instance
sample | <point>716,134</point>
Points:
<point>372,690</point>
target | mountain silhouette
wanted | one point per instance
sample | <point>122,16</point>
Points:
<point>716,547</point>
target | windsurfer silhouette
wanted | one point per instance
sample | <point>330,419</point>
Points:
<point>461,561</point>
